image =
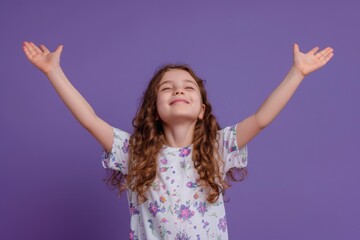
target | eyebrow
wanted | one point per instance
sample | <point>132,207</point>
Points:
<point>185,80</point>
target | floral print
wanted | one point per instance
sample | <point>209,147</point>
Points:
<point>133,209</point>
<point>176,207</point>
<point>182,236</point>
<point>132,235</point>
<point>191,185</point>
<point>184,212</point>
<point>184,152</point>
<point>205,223</point>
<point>202,208</point>
<point>162,199</point>
<point>164,161</point>
<point>154,208</point>
<point>125,146</point>
<point>222,224</point>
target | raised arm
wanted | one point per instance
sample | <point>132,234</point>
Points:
<point>49,63</point>
<point>303,65</point>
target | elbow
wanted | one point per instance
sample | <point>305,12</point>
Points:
<point>261,121</point>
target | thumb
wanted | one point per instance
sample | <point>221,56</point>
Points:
<point>296,48</point>
<point>59,49</point>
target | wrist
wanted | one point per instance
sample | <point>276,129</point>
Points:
<point>297,72</point>
<point>53,71</point>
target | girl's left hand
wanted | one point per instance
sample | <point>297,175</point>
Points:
<point>312,60</point>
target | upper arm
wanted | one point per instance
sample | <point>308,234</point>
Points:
<point>247,130</point>
<point>102,132</point>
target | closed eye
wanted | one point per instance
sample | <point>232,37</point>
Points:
<point>165,88</point>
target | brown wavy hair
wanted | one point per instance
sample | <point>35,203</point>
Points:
<point>148,138</point>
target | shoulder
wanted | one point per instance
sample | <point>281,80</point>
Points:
<point>118,133</point>
<point>227,132</point>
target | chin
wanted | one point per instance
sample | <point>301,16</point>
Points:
<point>179,118</point>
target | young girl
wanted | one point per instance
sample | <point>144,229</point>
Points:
<point>174,165</point>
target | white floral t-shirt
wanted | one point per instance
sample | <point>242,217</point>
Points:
<point>176,207</point>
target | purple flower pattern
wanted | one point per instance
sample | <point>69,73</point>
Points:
<point>133,210</point>
<point>182,236</point>
<point>202,208</point>
<point>184,152</point>
<point>184,212</point>
<point>132,235</point>
<point>176,200</point>
<point>154,208</point>
<point>222,224</point>
<point>125,146</point>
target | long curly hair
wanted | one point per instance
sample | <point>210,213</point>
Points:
<point>148,138</point>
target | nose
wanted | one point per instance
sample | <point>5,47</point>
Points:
<point>178,91</point>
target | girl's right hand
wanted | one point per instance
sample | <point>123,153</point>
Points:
<point>42,58</point>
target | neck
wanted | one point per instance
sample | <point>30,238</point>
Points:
<point>180,135</point>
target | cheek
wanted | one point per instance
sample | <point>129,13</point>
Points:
<point>159,101</point>
<point>159,105</point>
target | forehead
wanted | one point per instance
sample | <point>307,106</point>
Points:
<point>177,75</point>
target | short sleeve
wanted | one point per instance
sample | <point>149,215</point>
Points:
<point>118,157</point>
<point>232,155</point>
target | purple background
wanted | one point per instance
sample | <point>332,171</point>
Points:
<point>303,168</point>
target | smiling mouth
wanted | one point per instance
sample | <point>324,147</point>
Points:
<point>178,101</point>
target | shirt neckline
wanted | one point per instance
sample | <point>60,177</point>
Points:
<point>175,148</point>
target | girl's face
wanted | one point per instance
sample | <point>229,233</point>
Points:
<point>178,98</point>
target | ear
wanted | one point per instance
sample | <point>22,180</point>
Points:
<point>202,112</point>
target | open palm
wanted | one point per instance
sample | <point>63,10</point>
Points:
<point>41,57</point>
<point>312,60</point>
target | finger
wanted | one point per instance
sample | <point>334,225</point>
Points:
<point>322,57</point>
<point>27,52</point>
<point>37,50</point>
<point>328,56</point>
<point>30,49</point>
<point>323,52</point>
<point>45,50</point>
<point>314,50</point>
